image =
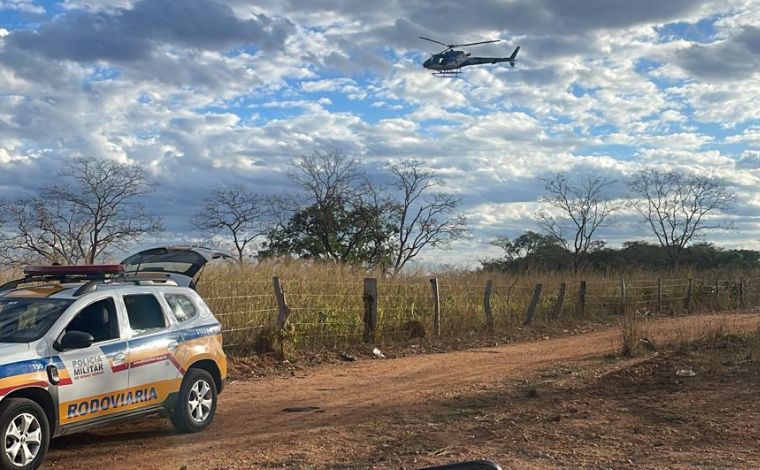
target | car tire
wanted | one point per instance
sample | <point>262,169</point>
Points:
<point>25,427</point>
<point>196,403</point>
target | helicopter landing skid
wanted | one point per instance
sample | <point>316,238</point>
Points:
<point>447,73</point>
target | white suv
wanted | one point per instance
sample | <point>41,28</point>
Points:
<point>86,345</point>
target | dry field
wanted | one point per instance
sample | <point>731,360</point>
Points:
<point>563,402</point>
<point>326,302</point>
<point>326,305</point>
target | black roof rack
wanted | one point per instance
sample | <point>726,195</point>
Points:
<point>91,275</point>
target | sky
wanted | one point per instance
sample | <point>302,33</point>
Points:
<point>202,92</point>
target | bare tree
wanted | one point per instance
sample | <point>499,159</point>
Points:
<point>676,207</point>
<point>328,175</point>
<point>83,219</point>
<point>423,217</point>
<point>5,255</point>
<point>237,211</point>
<point>583,209</point>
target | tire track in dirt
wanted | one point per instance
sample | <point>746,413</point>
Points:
<point>250,418</point>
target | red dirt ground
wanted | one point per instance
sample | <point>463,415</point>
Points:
<point>544,404</point>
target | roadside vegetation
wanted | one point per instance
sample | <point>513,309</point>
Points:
<point>326,303</point>
<point>338,227</point>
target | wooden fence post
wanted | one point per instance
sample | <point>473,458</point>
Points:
<point>283,311</point>
<point>560,301</point>
<point>659,295</point>
<point>689,293</point>
<point>436,307</point>
<point>533,303</point>
<point>741,292</point>
<point>370,308</point>
<point>581,306</point>
<point>622,296</point>
<point>487,305</point>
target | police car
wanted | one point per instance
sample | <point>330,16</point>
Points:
<point>86,345</point>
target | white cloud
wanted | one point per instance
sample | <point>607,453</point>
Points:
<point>596,89</point>
<point>750,136</point>
<point>25,6</point>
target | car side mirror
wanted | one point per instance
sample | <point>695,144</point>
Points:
<point>75,340</point>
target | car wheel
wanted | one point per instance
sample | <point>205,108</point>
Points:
<point>196,404</point>
<point>25,434</point>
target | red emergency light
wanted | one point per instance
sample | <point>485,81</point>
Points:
<point>74,270</point>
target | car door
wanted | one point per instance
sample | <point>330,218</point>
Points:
<point>154,370</point>
<point>91,379</point>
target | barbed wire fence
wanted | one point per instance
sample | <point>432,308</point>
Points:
<point>331,315</point>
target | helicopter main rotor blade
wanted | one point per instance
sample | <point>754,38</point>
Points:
<point>476,43</point>
<point>433,40</point>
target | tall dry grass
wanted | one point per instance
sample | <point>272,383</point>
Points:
<point>635,334</point>
<point>326,305</point>
<point>706,332</point>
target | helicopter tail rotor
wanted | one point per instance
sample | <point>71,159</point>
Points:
<point>511,59</point>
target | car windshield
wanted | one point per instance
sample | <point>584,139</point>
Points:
<point>26,319</point>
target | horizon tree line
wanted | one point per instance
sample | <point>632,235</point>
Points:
<point>339,214</point>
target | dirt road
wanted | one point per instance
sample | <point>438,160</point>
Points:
<point>251,428</point>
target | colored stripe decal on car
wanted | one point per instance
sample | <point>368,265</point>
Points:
<point>32,373</point>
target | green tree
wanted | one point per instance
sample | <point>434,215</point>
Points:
<point>339,215</point>
<point>529,251</point>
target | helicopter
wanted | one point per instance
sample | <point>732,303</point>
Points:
<point>450,62</point>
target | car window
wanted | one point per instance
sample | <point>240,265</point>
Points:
<point>181,306</point>
<point>144,313</point>
<point>28,319</point>
<point>98,319</point>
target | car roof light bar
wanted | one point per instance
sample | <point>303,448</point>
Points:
<point>71,270</point>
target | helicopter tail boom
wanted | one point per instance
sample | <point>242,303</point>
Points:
<point>491,60</point>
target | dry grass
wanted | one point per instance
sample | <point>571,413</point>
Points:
<point>706,333</point>
<point>327,308</point>
<point>326,303</point>
<point>635,332</point>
